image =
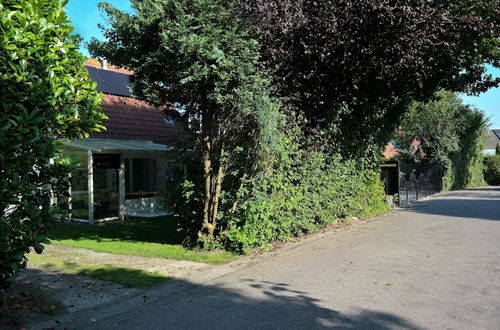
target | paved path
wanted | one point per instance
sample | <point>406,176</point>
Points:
<point>433,266</point>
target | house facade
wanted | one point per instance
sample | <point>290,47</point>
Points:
<point>126,169</point>
<point>492,139</point>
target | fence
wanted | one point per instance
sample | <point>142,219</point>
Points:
<point>412,181</point>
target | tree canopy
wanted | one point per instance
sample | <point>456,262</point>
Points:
<point>356,65</point>
<point>199,56</point>
<point>335,77</point>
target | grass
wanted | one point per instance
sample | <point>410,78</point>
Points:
<point>127,276</point>
<point>156,237</point>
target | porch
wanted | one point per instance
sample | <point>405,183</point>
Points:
<point>118,178</point>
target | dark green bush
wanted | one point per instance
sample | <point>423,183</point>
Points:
<point>492,170</point>
<point>46,96</point>
<point>301,190</point>
<point>305,191</point>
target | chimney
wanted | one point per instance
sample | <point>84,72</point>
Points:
<point>104,64</point>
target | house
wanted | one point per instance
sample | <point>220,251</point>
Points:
<point>126,169</point>
<point>492,140</point>
<point>391,150</point>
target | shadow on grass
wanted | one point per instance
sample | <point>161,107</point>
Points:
<point>161,230</point>
<point>131,277</point>
<point>136,278</point>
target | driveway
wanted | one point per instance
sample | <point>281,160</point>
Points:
<point>435,265</point>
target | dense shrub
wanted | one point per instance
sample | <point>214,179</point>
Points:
<point>465,169</point>
<point>46,95</point>
<point>304,191</point>
<point>280,209</point>
<point>492,170</point>
<point>301,190</point>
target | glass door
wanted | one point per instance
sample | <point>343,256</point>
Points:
<point>106,194</point>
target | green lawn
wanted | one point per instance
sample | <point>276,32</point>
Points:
<point>136,278</point>
<point>157,237</point>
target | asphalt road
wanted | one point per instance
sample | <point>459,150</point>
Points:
<point>435,265</point>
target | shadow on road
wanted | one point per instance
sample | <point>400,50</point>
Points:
<point>478,203</point>
<point>253,305</point>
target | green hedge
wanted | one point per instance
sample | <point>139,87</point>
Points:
<point>305,191</point>
<point>492,170</point>
<point>298,191</point>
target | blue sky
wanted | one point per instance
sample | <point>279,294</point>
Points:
<point>489,101</point>
<point>85,17</point>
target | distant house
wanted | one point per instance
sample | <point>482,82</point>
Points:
<point>391,150</point>
<point>126,169</point>
<point>491,142</point>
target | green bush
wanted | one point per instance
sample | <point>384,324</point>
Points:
<point>46,96</point>
<point>465,168</point>
<point>299,190</point>
<point>492,170</point>
<point>303,192</point>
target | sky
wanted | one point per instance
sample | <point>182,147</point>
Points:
<point>85,16</point>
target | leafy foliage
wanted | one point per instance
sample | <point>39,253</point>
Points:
<point>299,191</point>
<point>450,133</point>
<point>354,66</point>
<point>199,56</point>
<point>344,73</point>
<point>492,170</point>
<point>305,191</point>
<point>45,96</point>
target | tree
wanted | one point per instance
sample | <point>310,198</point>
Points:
<point>199,56</point>
<point>46,96</point>
<point>437,125</point>
<point>450,133</point>
<point>354,66</point>
<point>497,149</point>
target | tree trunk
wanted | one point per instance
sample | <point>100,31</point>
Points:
<point>3,302</point>
<point>218,186</point>
<point>207,169</point>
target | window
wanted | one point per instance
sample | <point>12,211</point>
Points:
<point>144,177</point>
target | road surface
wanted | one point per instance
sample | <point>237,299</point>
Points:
<point>435,265</point>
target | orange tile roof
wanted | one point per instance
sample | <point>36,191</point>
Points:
<point>95,63</point>
<point>131,119</point>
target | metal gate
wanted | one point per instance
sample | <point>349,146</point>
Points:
<point>411,181</point>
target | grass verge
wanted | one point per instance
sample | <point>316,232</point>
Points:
<point>121,275</point>
<point>156,237</point>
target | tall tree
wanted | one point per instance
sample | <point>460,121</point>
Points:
<point>199,56</point>
<point>45,96</point>
<point>450,133</point>
<point>354,66</point>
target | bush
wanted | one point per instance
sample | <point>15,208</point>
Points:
<point>303,192</point>
<point>46,96</point>
<point>299,190</point>
<point>492,170</point>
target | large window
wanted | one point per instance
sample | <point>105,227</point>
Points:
<point>144,177</point>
